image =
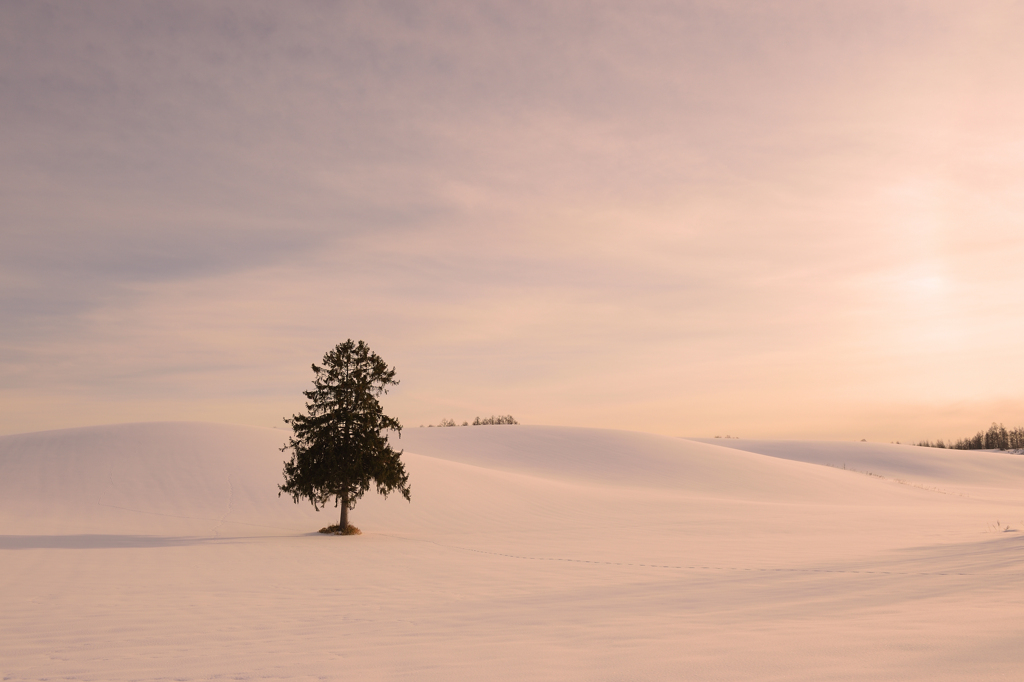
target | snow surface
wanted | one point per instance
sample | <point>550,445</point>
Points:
<point>161,551</point>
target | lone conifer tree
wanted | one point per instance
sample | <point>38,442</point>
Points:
<point>340,447</point>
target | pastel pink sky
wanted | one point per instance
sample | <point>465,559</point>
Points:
<point>792,219</point>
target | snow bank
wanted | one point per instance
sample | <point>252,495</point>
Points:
<point>155,551</point>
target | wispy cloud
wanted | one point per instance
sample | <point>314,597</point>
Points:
<point>680,218</point>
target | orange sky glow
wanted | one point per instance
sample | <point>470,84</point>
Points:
<point>776,220</point>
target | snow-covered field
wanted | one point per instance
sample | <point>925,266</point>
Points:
<point>161,551</point>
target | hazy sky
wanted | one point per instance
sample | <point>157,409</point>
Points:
<point>771,219</point>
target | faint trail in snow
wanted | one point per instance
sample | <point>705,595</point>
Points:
<point>695,567</point>
<point>929,488</point>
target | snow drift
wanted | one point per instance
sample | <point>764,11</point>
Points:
<point>149,551</point>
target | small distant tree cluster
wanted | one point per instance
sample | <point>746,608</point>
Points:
<point>446,423</point>
<point>996,438</point>
<point>500,419</point>
<point>492,420</point>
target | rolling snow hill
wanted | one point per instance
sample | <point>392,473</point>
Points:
<point>156,551</point>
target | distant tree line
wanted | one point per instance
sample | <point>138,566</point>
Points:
<point>492,420</point>
<point>486,421</point>
<point>996,438</point>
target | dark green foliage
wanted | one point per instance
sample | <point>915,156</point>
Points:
<point>340,447</point>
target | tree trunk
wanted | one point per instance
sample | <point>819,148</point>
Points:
<point>344,513</point>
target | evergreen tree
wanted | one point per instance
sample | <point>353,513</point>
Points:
<point>341,446</point>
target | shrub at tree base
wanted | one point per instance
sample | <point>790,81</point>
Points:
<point>336,530</point>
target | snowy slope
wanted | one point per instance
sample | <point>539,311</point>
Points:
<point>155,551</point>
<point>960,468</point>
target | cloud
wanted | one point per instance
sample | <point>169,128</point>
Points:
<point>528,204</point>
